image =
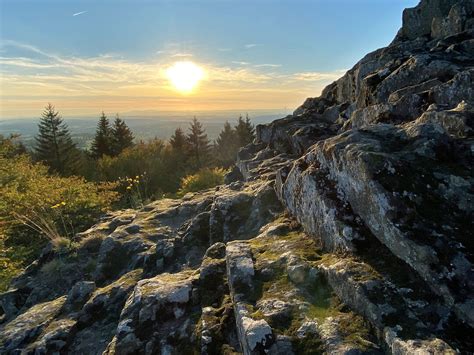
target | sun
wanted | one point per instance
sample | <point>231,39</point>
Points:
<point>184,76</point>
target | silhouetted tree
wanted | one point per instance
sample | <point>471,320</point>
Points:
<point>102,144</point>
<point>245,131</point>
<point>198,144</point>
<point>226,145</point>
<point>178,141</point>
<point>54,145</point>
<point>122,136</point>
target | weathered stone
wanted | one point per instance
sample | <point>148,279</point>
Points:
<point>377,174</point>
<point>17,333</point>
<point>154,305</point>
<point>240,269</point>
<point>256,336</point>
<point>80,292</point>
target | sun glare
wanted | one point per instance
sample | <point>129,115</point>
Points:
<point>184,76</point>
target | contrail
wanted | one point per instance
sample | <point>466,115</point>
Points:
<point>79,13</point>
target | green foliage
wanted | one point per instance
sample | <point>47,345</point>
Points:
<point>178,141</point>
<point>179,150</point>
<point>227,146</point>
<point>245,131</point>
<point>203,179</point>
<point>151,167</point>
<point>36,207</point>
<point>11,146</point>
<point>52,206</point>
<point>14,258</point>
<point>122,137</point>
<point>102,144</point>
<point>54,146</point>
<point>198,143</point>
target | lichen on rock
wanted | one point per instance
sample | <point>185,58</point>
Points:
<point>345,228</point>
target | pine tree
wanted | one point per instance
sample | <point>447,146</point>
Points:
<point>122,136</point>
<point>226,145</point>
<point>198,144</point>
<point>54,145</point>
<point>102,144</point>
<point>178,141</point>
<point>245,131</point>
<point>179,154</point>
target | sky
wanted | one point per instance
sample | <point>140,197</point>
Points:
<point>114,55</point>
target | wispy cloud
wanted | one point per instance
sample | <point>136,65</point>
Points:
<point>240,63</point>
<point>98,82</point>
<point>79,13</point>
<point>319,76</point>
<point>267,65</point>
<point>251,45</point>
<point>182,55</point>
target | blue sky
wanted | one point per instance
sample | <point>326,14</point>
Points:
<point>259,45</point>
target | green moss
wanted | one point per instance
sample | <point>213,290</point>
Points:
<point>166,278</point>
<point>329,259</point>
<point>308,345</point>
<point>277,287</point>
<point>317,295</point>
<point>219,322</point>
<point>271,248</point>
<point>226,349</point>
<point>359,271</point>
<point>126,281</point>
<point>258,314</point>
<point>355,330</point>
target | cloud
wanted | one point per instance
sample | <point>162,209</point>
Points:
<point>319,76</point>
<point>251,45</point>
<point>85,84</point>
<point>182,55</point>
<point>107,73</point>
<point>79,13</point>
<point>240,63</point>
<point>267,65</point>
<point>224,49</point>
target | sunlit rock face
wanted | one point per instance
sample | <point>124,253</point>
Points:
<point>345,228</point>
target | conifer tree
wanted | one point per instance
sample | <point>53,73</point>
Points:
<point>102,144</point>
<point>179,154</point>
<point>122,136</point>
<point>54,145</point>
<point>245,131</point>
<point>178,141</point>
<point>198,144</point>
<point>226,145</point>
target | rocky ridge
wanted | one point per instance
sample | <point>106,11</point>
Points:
<point>344,229</point>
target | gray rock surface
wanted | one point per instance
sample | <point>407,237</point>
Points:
<point>345,228</point>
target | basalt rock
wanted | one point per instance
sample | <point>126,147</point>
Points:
<point>345,228</point>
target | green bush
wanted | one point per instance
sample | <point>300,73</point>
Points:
<point>203,179</point>
<point>148,166</point>
<point>36,207</point>
<point>49,205</point>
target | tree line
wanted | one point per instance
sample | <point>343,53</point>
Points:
<point>109,157</point>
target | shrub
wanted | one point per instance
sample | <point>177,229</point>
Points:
<point>48,205</point>
<point>148,162</point>
<point>36,207</point>
<point>203,179</point>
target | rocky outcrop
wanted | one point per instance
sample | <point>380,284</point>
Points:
<point>345,228</point>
